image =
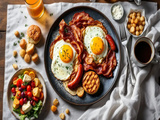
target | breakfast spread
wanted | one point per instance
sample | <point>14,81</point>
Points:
<point>81,46</point>
<point>136,23</point>
<point>26,95</point>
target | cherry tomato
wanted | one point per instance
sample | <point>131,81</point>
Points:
<point>21,101</point>
<point>29,88</point>
<point>15,78</point>
<point>22,112</point>
<point>13,90</point>
<point>34,103</point>
<point>35,99</point>
<point>23,86</point>
<point>25,92</point>
<point>29,94</point>
<point>32,84</point>
<point>18,94</point>
<point>19,82</point>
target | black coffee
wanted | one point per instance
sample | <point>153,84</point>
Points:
<point>143,52</point>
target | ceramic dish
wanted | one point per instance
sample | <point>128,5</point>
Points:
<point>9,93</point>
<point>106,84</point>
<point>142,11</point>
<point>119,7</point>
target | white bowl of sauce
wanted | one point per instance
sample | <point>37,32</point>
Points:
<point>117,11</point>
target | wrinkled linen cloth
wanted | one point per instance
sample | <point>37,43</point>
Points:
<point>19,19</point>
<point>141,101</point>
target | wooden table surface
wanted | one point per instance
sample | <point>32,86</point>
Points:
<point>3,22</point>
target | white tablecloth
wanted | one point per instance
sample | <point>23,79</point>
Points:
<point>19,19</point>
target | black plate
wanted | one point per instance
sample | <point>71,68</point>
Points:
<point>106,84</point>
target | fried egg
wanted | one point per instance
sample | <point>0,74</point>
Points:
<point>63,60</point>
<point>95,43</point>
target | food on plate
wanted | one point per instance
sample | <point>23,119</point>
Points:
<point>136,23</point>
<point>80,91</point>
<point>53,108</point>
<point>55,102</point>
<point>14,53</point>
<point>34,34</point>
<point>27,58</point>
<point>16,33</point>
<point>37,82</point>
<point>15,66</point>
<point>23,43</point>
<point>62,116</point>
<point>35,57</point>
<point>26,102</point>
<point>30,48</point>
<point>81,46</point>
<point>67,111</point>
<point>22,53</point>
<point>91,82</point>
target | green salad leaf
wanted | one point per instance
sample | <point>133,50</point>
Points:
<point>12,98</point>
<point>21,76</point>
<point>13,86</point>
<point>32,113</point>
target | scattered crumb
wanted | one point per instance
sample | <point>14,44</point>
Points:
<point>15,66</point>
<point>62,116</point>
<point>53,108</point>
<point>14,53</point>
<point>55,102</point>
<point>67,111</point>
<point>16,33</point>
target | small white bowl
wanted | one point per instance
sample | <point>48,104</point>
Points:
<point>116,4</point>
<point>142,11</point>
<point>9,94</point>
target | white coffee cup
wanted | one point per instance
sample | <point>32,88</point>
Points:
<point>141,54</point>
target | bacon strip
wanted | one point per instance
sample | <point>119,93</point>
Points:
<point>105,68</point>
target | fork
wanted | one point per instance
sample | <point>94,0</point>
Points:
<point>124,38</point>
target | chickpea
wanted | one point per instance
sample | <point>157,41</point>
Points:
<point>129,26</point>
<point>130,15</point>
<point>134,25</point>
<point>138,14</point>
<point>53,108</point>
<point>138,18</point>
<point>132,21</point>
<point>134,14</point>
<point>136,21</point>
<point>62,116</point>
<point>67,111</point>
<point>16,33</point>
<point>15,66</point>
<point>133,17</point>
<point>132,29</point>
<point>140,32</point>
<point>55,102</point>
<point>143,23</point>
<point>22,44</point>
<point>27,58</point>
<point>142,18</point>
<point>141,27</point>
<point>139,23</point>
<point>137,33</point>
<point>14,53</point>
<point>129,20</point>
<point>137,28</point>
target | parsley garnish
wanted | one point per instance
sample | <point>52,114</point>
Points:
<point>25,17</point>
<point>14,44</point>
<point>67,67</point>
<point>26,25</point>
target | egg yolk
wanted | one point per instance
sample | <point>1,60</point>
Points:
<point>66,53</point>
<point>97,45</point>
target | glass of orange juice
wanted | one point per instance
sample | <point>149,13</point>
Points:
<point>35,8</point>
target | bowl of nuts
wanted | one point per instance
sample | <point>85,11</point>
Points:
<point>136,22</point>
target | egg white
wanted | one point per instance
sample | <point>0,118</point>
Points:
<point>91,32</point>
<point>61,70</point>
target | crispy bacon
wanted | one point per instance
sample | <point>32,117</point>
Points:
<point>72,34</point>
<point>105,68</point>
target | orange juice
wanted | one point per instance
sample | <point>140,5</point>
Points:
<point>35,8</point>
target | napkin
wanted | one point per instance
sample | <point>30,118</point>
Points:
<point>19,19</point>
<point>141,101</point>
